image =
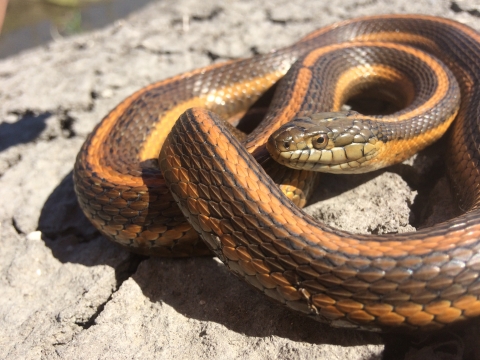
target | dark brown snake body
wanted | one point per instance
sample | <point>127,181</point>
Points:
<point>421,280</point>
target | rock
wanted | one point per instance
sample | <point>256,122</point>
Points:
<point>67,292</point>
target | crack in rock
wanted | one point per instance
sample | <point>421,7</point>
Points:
<point>457,9</point>
<point>215,12</point>
<point>17,227</point>
<point>66,124</point>
<point>122,273</point>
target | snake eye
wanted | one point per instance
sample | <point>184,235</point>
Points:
<point>320,141</point>
<point>286,145</point>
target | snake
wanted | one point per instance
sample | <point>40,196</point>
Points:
<point>213,188</point>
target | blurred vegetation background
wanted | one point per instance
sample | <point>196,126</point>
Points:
<point>30,23</point>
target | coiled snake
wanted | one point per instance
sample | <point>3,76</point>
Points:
<point>421,280</point>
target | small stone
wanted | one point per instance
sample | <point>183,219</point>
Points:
<point>34,236</point>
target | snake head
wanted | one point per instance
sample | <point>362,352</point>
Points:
<point>335,142</point>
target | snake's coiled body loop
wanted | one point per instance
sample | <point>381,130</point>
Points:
<point>419,280</point>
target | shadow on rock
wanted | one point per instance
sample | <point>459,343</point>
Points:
<point>199,288</point>
<point>22,131</point>
<point>68,233</point>
<point>456,342</point>
<point>203,289</point>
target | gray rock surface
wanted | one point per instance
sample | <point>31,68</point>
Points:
<point>67,292</point>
